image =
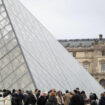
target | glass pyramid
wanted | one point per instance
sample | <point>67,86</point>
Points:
<point>30,57</point>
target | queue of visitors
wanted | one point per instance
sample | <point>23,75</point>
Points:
<point>53,97</point>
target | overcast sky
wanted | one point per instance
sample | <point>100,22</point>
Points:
<point>70,18</point>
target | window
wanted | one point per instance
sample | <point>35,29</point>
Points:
<point>103,53</point>
<point>86,66</point>
<point>74,54</point>
<point>86,54</point>
<point>102,82</point>
<point>103,67</point>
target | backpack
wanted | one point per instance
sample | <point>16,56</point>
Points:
<point>93,102</point>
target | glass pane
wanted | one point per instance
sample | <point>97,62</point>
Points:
<point>16,63</point>
<point>0,36</point>
<point>3,14</point>
<point>5,72</point>
<point>8,39</point>
<point>8,27</point>
<point>0,2</point>
<point>23,80</point>
<point>4,32</point>
<point>11,45</point>
<point>1,8</point>
<point>4,61</point>
<point>14,86</point>
<point>30,86</point>
<point>1,18</point>
<point>9,80</point>
<point>19,72</point>
<point>1,43</point>
<point>4,22</point>
<point>14,53</point>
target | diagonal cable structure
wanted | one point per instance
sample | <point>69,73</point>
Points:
<point>30,57</point>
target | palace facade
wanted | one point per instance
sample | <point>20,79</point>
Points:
<point>90,53</point>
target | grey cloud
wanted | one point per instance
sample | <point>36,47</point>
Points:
<point>70,18</point>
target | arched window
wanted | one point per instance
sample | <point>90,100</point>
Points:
<point>102,82</point>
<point>86,65</point>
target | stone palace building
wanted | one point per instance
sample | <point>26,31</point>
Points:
<point>91,55</point>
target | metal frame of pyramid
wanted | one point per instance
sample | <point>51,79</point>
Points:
<point>31,58</point>
<point>11,33</point>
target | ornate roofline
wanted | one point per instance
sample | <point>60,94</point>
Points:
<point>66,40</point>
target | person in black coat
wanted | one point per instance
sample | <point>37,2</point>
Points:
<point>42,100</point>
<point>25,98</point>
<point>21,96</point>
<point>102,99</point>
<point>77,99</point>
<point>38,94</point>
<point>93,98</point>
<point>29,99</point>
<point>15,98</point>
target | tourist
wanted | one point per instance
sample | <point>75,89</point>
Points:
<point>93,99</point>
<point>42,99</point>
<point>60,99</point>
<point>38,94</point>
<point>67,98</point>
<point>7,97</point>
<point>78,91</point>
<point>86,100</point>
<point>102,99</point>
<point>30,99</point>
<point>15,97</point>
<point>21,96</point>
<point>77,99</point>
<point>35,93</point>
<point>52,99</point>
<point>1,98</point>
<point>25,99</point>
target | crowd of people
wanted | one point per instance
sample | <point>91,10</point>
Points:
<point>53,97</point>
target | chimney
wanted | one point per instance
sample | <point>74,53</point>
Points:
<point>96,41</point>
<point>100,36</point>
